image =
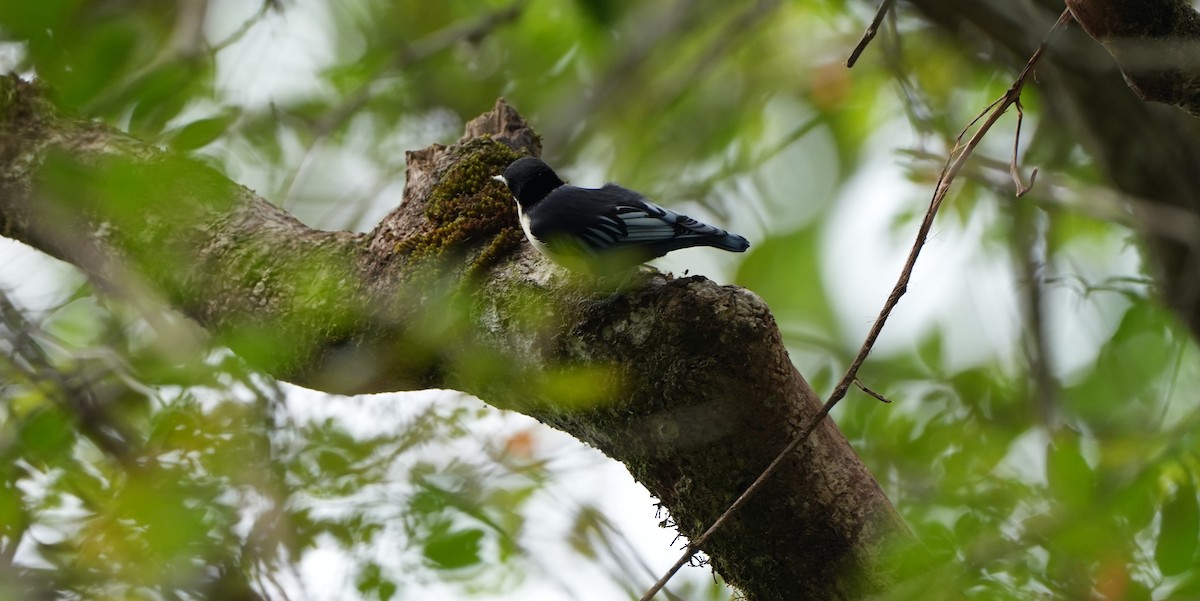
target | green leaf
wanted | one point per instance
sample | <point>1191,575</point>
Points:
<point>35,18</point>
<point>12,510</point>
<point>46,436</point>
<point>1125,380</point>
<point>1069,476</point>
<point>371,580</point>
<point>78,323</point>
<point>455,549</point>
<point>161,95</point>
<point>201,133</point>
<point>92,60</point>
<point>1179,534</point>
<point>603,12</point>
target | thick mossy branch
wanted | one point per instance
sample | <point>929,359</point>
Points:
<point>684,381</point>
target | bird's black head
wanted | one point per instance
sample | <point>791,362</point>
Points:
<point>530,180</point>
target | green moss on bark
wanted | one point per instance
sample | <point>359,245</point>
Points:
<point>467,205</point>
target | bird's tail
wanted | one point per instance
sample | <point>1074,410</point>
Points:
<point>718,239</point>
<point>698,233</point>
<point>702,234</point>
<point>730,242</point>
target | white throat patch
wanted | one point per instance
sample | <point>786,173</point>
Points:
<point>529,235</point>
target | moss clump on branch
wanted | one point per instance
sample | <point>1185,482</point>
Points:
<point>468,205</point>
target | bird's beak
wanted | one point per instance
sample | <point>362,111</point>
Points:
<point>500,178</point>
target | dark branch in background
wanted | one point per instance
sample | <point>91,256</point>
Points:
<point>958,157</point>
<point>1029,247</point>
<point>1156,43</point>
<point>916,102</point>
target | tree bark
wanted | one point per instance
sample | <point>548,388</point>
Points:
<point>694,391</point>
<point>1154,43</point>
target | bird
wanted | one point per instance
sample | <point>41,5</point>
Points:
<point>603,230</point>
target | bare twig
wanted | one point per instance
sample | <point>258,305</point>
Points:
<point>1165,221</point>
<point>954,164</point>
<point>246,26</point>
<point>1012,169</point>
<point>869,34</point>
<point>863,387</point>
<point>742,165</point>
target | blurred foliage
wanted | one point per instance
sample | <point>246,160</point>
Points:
<point>136,461</point>
<point>137,468</point>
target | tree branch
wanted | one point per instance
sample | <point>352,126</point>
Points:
<point>870,33</point>
<point>1155,44</point>
<point>689,383</point>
